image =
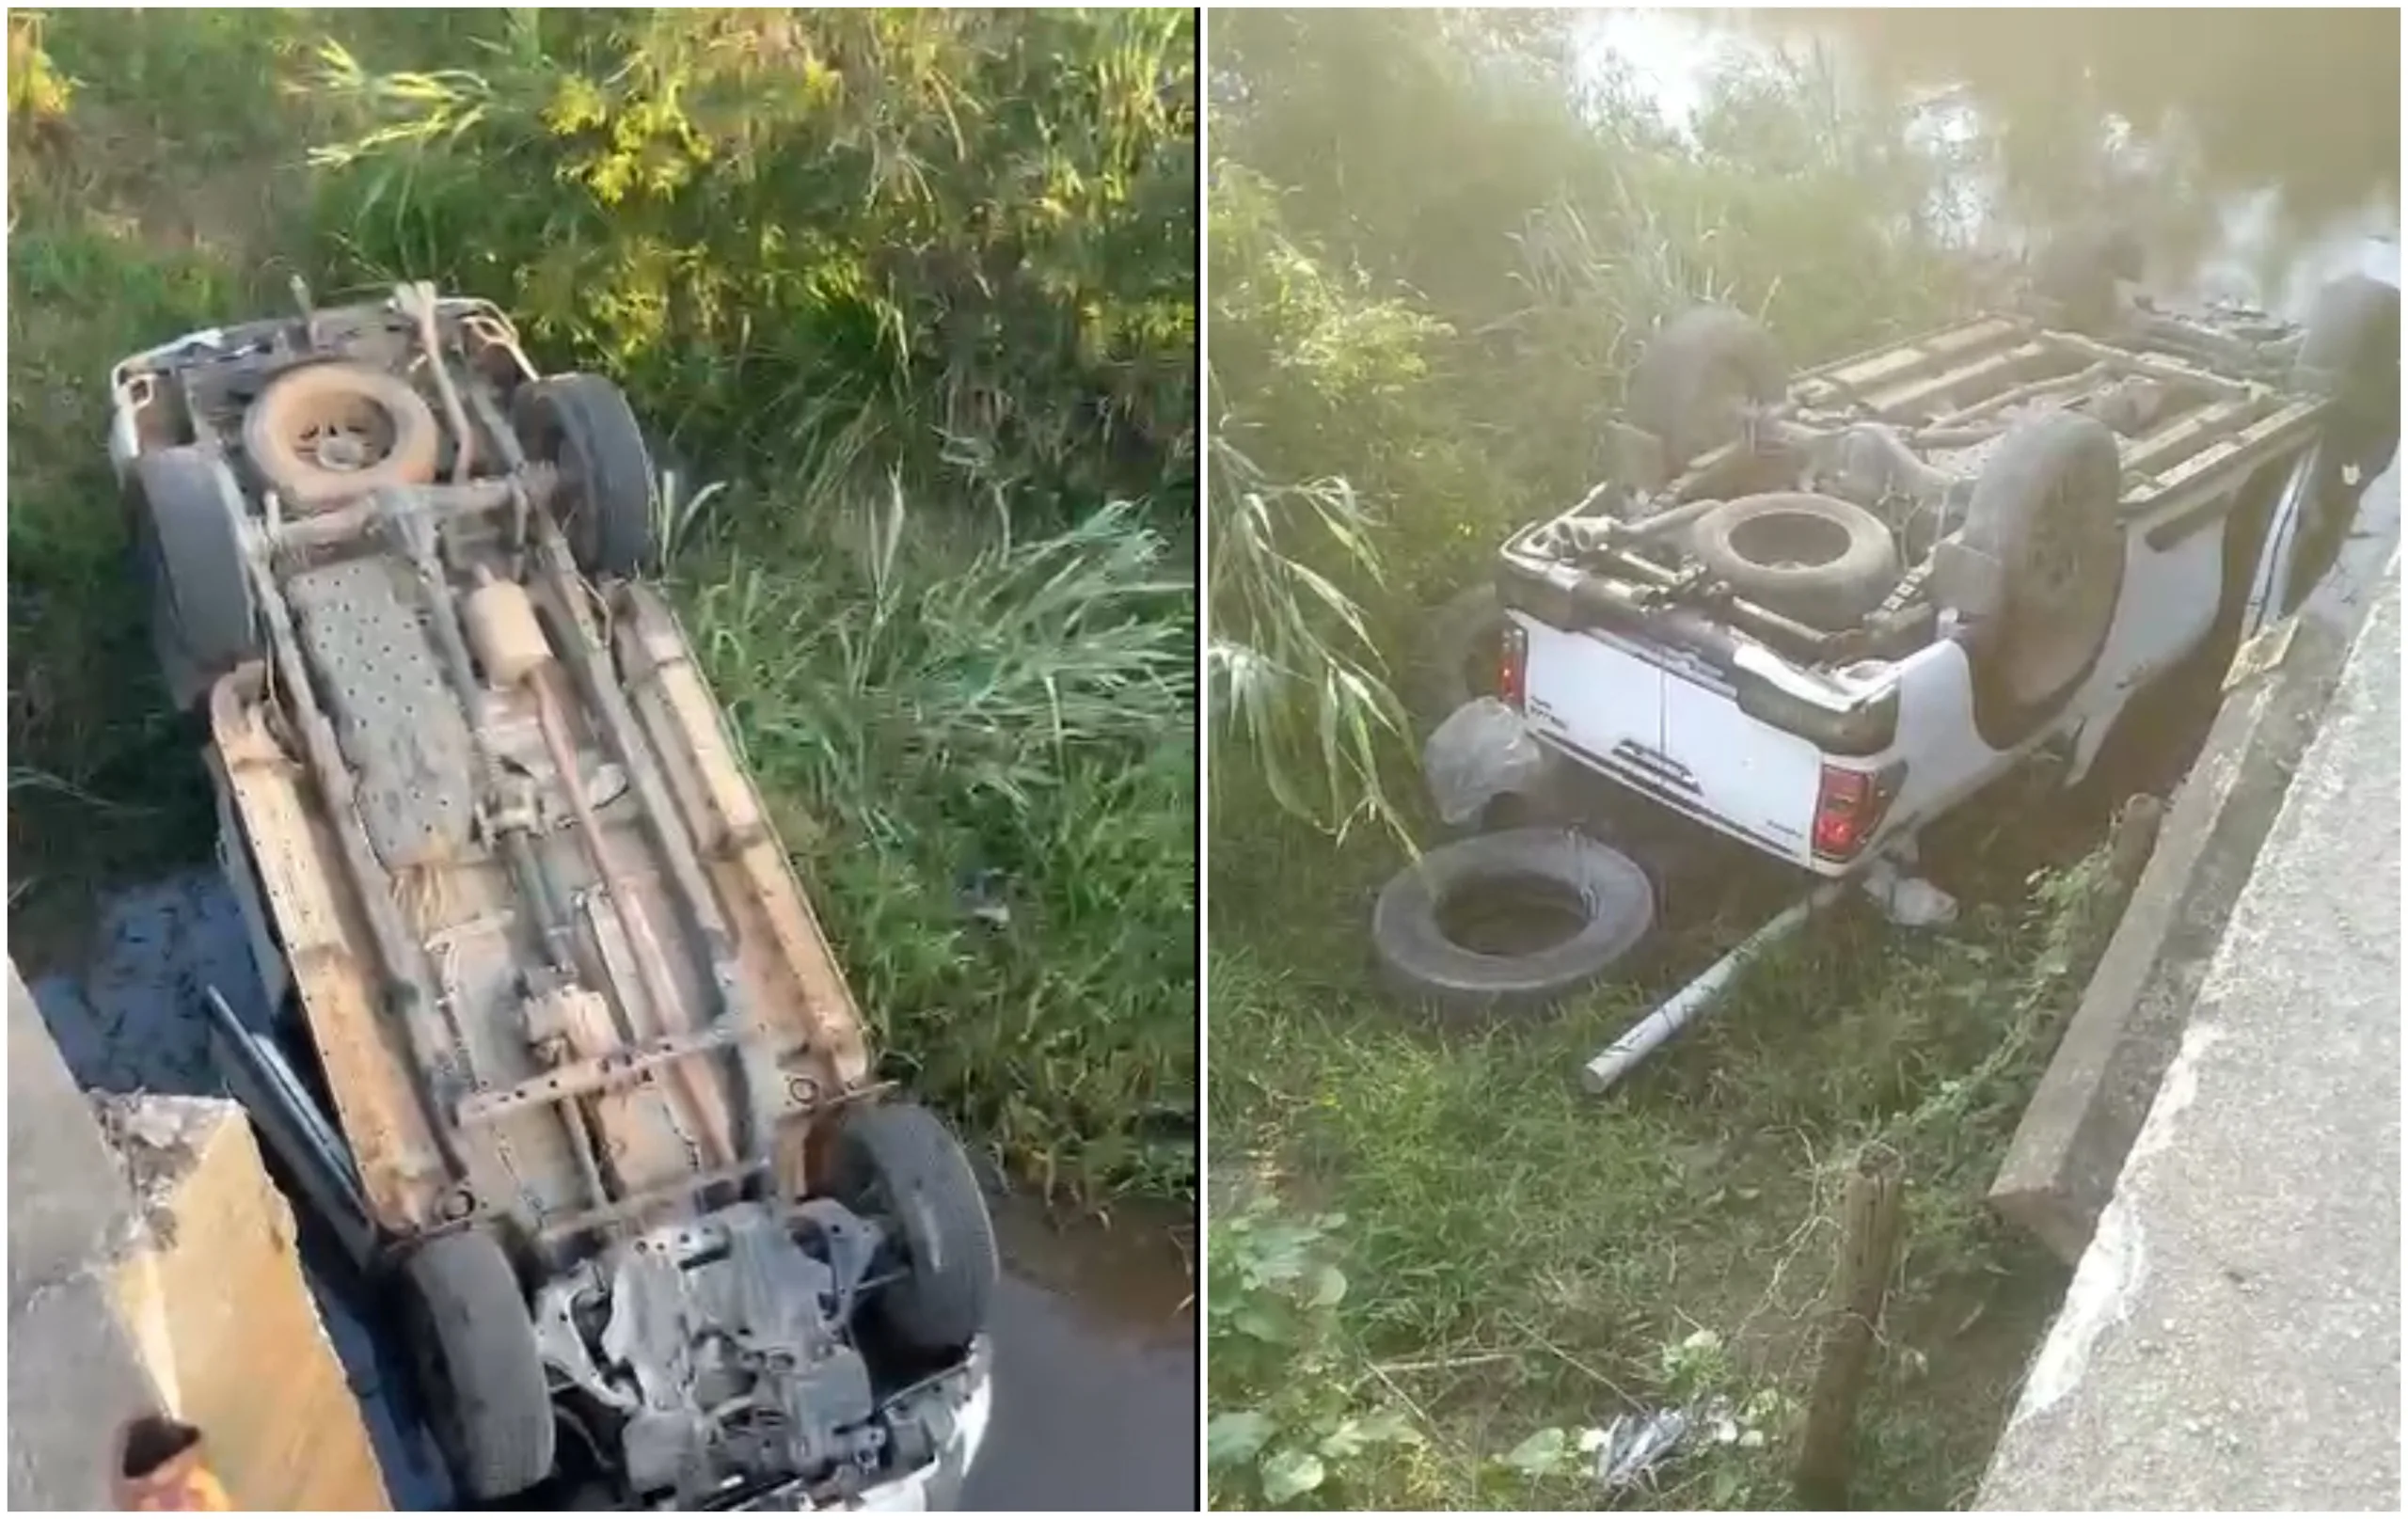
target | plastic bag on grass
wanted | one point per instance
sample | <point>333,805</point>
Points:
<point>1483,751</point>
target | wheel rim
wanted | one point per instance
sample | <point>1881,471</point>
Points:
<point>342,432</point>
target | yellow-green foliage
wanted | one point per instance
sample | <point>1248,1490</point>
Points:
<point>885,229</point>
<point>37,92</point>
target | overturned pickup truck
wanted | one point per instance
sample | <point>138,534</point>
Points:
<point>558,1052</point>
<point>1811,614</point>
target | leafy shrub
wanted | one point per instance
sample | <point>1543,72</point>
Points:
<point>37,92</point>
<point>1276,1342</point>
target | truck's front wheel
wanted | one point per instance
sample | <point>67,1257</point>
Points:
<point>1455,657</point>
<point>899,1164</point>
<point>478,1367</point>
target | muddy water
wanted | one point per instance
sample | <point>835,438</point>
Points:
<point>1095,1339</point>
<point>1096,1369</point>
<point>2253,150</point>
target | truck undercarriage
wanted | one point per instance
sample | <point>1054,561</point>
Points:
<point>568,1055</point>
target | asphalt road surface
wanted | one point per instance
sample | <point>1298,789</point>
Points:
<point>1096,1403</point>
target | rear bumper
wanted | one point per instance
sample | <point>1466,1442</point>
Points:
<point>1634,782</point>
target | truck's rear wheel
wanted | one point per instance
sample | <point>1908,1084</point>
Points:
<point>1699,375</point>
<point>2350,352</point>
<point>1455,658</point>
<point>188,552</point>
<point>899,1164</point>
<point>488,1401</point>
<point>583,424</point>
<point>2076,277</point>
<point>1508,922</point>
<point>2045,509</point>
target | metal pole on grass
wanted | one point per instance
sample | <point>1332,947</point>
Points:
<point>1615,1061</point>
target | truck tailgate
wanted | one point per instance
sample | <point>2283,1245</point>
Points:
<point>1637,713</point>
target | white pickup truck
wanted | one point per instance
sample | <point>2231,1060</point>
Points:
<point>1823,610</point>
<point>559,1057</point>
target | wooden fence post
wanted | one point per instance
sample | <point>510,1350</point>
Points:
<point>1868,1249</point>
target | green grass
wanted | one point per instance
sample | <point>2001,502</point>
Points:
<point>1523,1258</point>
<point>998,722</point>
<point>952,631</point>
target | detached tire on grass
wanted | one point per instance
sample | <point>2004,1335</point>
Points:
<point>490,1404</point>
<point>899,1164</point>
<point>1512,922</point>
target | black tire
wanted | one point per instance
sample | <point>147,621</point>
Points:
<point>2074,277</point>
<point>488,1401</point>
<point>1818,559</point>
<point>2047,507</point>
<point>1608,897</point>
<point>898,1162</point>
<point>2350,352</point>
<point>1694,374</point>
<point>583,424</point>
<point>1455,660</point>
<point>188,552</point>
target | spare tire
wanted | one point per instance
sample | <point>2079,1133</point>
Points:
<point>1697,376</point>
<point>327,432</point>
<point>1818,559</point>
<point>1508,922</point>
<point>2045,509</point>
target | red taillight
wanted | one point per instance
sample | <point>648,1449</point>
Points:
<point>1512,665</point>
<point>1849,808</point>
